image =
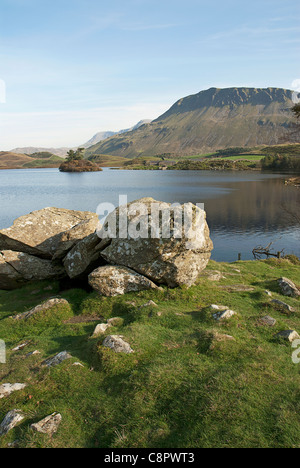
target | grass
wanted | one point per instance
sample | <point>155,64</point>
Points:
<point>180,388</point>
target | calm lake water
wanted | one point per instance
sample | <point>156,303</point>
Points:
<point>244,209</point>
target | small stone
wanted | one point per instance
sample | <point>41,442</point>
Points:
<point>224,315</point>
<point>14,444</point>
<point>49,425</point>
<point>33,353</point>
<point>218,307</point>
<point>149,304</point>
<point>288,288</point>
<point>7,388</point>
<point>283,305</point>
<point>56,360</point>
<point>212,275</point>
<point>221,337</point>
<point>116,343</point>
<point>11,420</point>
<point>100,329</point>
<point>21,346</point>
<point>78,364</point>
<point>269,321</point>
<point>40,308</point>
<point>268,293</point>
<point>115,321</point>
<point>289,335</point>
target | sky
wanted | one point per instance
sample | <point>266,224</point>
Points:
<point>72,68</point>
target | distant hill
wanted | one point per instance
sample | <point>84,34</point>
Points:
<point>61,152</point>
<point>211,120</point>
<point>10,160</point>
<point>104,135</point>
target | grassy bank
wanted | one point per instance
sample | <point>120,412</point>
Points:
<point>184,386</point>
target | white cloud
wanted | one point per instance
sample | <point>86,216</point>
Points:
<point>70,128</point>
<point>296,85</point>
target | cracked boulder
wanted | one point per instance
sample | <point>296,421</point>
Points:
<point>84,257</point>
<point>154,244</point>
<point>43,233</point>
<point>18,268</point>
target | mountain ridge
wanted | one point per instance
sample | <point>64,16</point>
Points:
<point>210,120</point>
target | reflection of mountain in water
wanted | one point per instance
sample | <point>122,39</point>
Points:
<point>254,206</point>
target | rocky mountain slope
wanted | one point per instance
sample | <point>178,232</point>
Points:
<point>210,120</point>
<point>100,136</point>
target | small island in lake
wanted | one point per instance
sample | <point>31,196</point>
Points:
<point>75,163</point>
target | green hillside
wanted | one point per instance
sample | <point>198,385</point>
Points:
<point>208,121</point>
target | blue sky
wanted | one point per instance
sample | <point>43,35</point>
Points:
<point>76,67</point>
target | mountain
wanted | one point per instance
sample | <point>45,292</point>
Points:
<point>104,135</point>
<point>61,152</point>
<point>210,120</point>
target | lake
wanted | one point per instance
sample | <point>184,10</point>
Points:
<point>244,209</point>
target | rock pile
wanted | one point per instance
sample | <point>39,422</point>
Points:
<point>57,243</point>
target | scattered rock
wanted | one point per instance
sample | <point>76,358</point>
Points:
<point>18,268</point>
<point>116,343</point>
<point>166,259</point>
<point>282,305</point>
<point>21,346</point>
<point>288,288</point>
<point>78,364</point>
<point>218,307</point>
<point>41,232</point>
<point>11,420</point>
<point>115,321</point>
<point>84,257</point>
<point>116,280</point>
<point>100,329</point>
<point>48,425</point>
<point>14,444</point>
<point>268,293</point>
<point>41,308</point>
<point>33,353</point>
<point>289,335</point>
<point>56,360</point>
<point>224,315</point>
<point>269,321</point>
<point>221,337</point>
<point>7,388</point>
<point>149,304</point>
<point>212,275</point>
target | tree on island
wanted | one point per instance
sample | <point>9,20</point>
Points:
<point>75,155</point>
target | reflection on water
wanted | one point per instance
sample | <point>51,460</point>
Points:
<point>243,209</point>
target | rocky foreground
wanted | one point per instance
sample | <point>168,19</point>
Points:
<point>57,243</point>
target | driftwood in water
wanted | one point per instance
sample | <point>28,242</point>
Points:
<point>259,251</point>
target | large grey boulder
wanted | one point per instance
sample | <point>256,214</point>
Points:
<point>18,268</point>
<point>76,234</point>
<point>116,280</point>
<point>43,232</point>
<point>84,257</point>
<point>164,257</point>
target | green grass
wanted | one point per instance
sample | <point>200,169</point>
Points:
<point>180,388</point>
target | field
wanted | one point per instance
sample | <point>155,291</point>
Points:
<point>185,385</point>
